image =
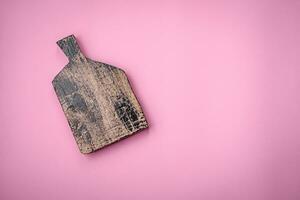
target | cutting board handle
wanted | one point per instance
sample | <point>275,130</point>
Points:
<point>70,47</point>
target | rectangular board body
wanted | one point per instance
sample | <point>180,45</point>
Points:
<point>97,100</point>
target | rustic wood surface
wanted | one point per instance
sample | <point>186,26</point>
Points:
<point>97,100</point>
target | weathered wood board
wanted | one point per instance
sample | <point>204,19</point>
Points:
<point>97,100</point>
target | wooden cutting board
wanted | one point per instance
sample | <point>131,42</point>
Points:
<point>97,100</point>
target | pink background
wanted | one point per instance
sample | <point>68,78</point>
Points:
<point>219,83</point>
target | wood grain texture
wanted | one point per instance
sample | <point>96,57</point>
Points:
<point>97,100</point>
